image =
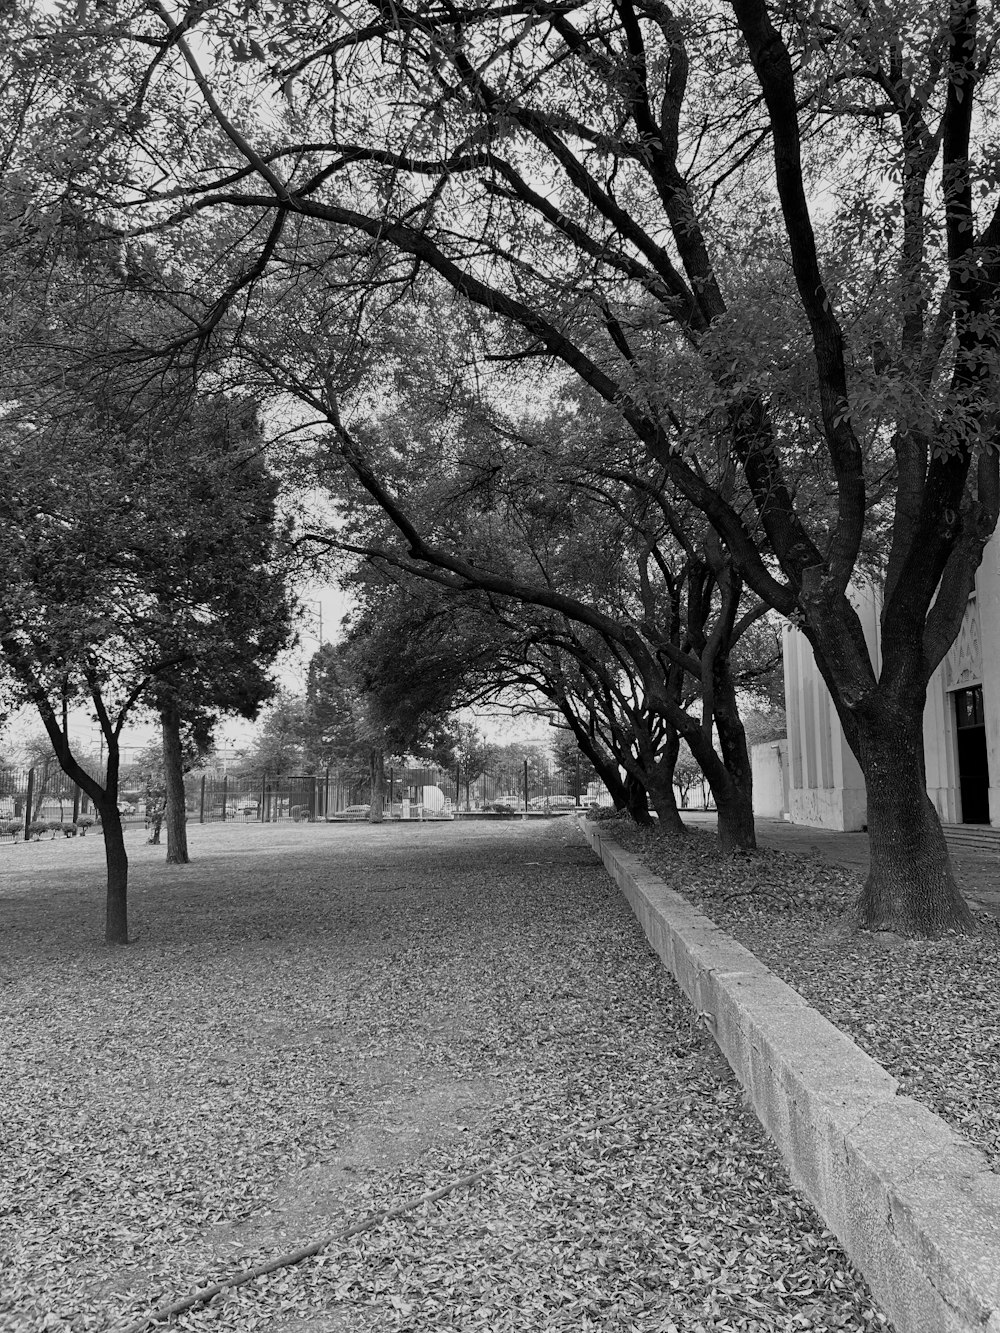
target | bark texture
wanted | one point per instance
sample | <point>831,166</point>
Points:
<point>661,793</point>
<point>376,768</point>
<point>173,768</point>
<point>637,801</point>
<point>734,794</point>
<point>910,887</point>
<point>736,822</point>
<point>116,916</point>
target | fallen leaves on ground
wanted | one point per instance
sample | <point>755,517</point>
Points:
<point>318,1022</point>
<point>928,1010</point>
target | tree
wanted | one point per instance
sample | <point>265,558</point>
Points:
<point>686,774</point>
<point>152,766</point>
<point>662,608</point>
<point>472,755</point>
<point>573,767</point>
<point>280,743</point>
<point>403,680</point>
<point>222,609</point>
<point>863,347</point>
<point>139,538</point>
<point>623,146</point>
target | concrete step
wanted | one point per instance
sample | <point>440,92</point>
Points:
<point>979,838</point>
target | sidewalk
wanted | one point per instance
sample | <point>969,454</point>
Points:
<point>975,857</point>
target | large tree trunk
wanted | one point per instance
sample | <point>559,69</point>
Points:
<point>658,777</point>
<point>733,799</point>
<point>376,768</point>
<point>116,914</point>
<point>660,786</point>
<point>173,768</point>
<point>610,774</point>
<point>40,792</point>
<point>737,832</point>
<point>637,801</point>
<point>910,887</point>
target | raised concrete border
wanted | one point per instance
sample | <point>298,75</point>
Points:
<point>915,1206</point>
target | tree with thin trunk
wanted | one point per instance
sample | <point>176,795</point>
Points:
<point>124,578</point>
<point>173,772</point>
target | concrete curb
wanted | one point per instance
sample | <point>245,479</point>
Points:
<point>915,1206</point>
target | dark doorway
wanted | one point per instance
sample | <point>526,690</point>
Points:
<point>973,769</point>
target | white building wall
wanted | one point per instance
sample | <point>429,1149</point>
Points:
<point>769,762</point>
<point>988,601</point>
<point>941,749</point>
<point>826,788</point>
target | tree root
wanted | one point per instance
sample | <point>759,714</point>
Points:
<point>205,1294</point>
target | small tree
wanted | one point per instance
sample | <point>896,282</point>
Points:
<point>576,770</point>
<point>687,774</point>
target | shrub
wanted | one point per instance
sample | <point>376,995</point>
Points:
<point>36,828</point>
<point>83,823</point>
<point>604,812</point>
<point>14,826</point>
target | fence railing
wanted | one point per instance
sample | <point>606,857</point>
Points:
<point>45,796</point>
<point>43,801</point>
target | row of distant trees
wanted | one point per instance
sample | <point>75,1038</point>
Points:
<point>291,739</point>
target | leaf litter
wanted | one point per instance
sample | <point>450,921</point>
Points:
<point>928,1010</point>
<point>319,1022</point>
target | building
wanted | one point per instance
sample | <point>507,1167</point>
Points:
<point>824,784</point>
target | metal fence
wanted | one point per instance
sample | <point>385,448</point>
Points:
<point>410,793</point>
<point>43,802</point>
<point>529,785</point>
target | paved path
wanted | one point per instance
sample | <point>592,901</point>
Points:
<point>977,867</point>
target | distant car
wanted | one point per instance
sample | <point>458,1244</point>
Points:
<point>353,812</point>
<point>553,802</point>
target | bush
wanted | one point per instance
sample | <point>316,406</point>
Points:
<point>36,828</point>
<point>83,823</point>
<point>11,827</point>
<point>604,812</point>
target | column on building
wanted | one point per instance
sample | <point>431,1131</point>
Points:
<point>826,788</point>
<point>988,607</point>
<point>940,746</point>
